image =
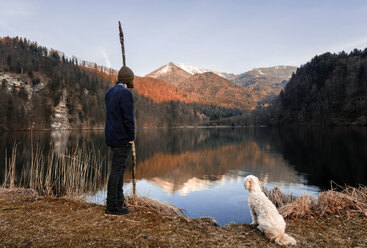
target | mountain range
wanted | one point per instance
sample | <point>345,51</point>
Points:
<point>43,89</point>
<point>40,88</point>
<point>258,87</point>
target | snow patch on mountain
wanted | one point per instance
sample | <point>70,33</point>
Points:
<point>260,72</point>
<point>166,68</point>
<point>163,70</point>
<point>197,70</point>
<point>192,69</point>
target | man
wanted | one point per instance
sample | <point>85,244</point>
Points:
<point>119,135</point>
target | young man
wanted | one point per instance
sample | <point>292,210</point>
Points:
<point>119,135</point>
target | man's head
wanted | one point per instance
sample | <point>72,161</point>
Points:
<point>126,76</point>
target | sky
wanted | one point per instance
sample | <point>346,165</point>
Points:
<point>231,36</point>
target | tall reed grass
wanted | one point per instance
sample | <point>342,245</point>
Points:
<point>76,172</point>
<point>339,200</point>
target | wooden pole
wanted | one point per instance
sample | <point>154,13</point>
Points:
<point>133,143</point>
<point>134,171</point>
<point>122,44</point>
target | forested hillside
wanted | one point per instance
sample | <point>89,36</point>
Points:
<point>43,89</point>
<point>215,90</point>
<point>34,80</point>
<point>331,89</point>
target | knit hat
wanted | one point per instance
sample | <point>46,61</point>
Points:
<point>126,76</point>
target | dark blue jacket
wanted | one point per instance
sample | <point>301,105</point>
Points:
<point>119,128</point>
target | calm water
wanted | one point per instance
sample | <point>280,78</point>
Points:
<point>202,170</point>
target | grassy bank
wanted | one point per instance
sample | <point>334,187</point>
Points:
<point>30,220</point>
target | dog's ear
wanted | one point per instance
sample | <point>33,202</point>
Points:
<point>248,184</point>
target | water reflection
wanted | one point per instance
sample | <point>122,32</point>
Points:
<point>192,170</point>
<point>201,170</point>
<point>338,154</point>
<point>60,141</point>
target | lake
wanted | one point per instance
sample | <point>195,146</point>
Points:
<point>201,170</point>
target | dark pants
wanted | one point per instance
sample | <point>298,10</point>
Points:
<point>116,179</point>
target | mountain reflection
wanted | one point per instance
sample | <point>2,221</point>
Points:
<point>186,160</point>
<point>192,170</point>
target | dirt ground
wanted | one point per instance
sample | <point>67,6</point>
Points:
<point>28,220</point>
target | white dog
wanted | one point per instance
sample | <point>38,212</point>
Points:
<point>265,215</point>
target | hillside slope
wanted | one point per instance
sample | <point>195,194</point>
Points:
<point>213,89</point>
<point>41,88</point>
<point>160,91</point>
<point>331,89</point>
<point>268,82</point>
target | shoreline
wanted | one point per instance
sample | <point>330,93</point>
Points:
<point>28,219</point>
<point>142,128</point>
<point>187,127</point>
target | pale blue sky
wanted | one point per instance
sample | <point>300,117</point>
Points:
<point>228,36</point>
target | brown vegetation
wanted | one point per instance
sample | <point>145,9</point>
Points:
<point>348,201</point>
<point>29,220</point>
<point>213,89</point>
<point>160,91</point>
<point>73,173</point>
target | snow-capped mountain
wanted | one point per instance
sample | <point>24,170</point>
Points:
<point>170,73</point>
<point>197,70</point>
<point>264,83</point>
<point>192,70</point>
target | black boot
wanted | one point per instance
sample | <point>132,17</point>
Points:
<point>121,207</point>
<point>121,203</point>
<point>116,209</point>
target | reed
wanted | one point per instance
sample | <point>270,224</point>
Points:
<point>9,172</point>
<point>339,200</point>
<point>76,172</point>
<point>277,196</point>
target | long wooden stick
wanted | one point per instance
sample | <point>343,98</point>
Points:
<point>134,169</point>
<point>133,143</point>
<point>122,45</point>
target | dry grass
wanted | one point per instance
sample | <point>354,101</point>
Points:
<point>348,201</point>
<point>340,201</point>
<point>74,173</point>
<point>301,207</point>
<point>277,196</point>
<point>160,208</point>
<point>35,218</point>
<point>30,220</point>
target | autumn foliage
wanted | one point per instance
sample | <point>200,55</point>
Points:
<point>161,91</point>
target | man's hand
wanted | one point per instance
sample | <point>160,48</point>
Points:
<point>131,141</point>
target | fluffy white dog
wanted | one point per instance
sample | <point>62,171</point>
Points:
<point>265,215</point>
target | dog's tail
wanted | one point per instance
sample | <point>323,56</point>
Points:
<point>285,239</point>
<point>281,238</point>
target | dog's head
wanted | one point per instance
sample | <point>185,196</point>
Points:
<point>252,183</point>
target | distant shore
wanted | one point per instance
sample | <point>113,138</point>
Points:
<point>28,219</point>
<point>2,130</point>
<point>99,129</point>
